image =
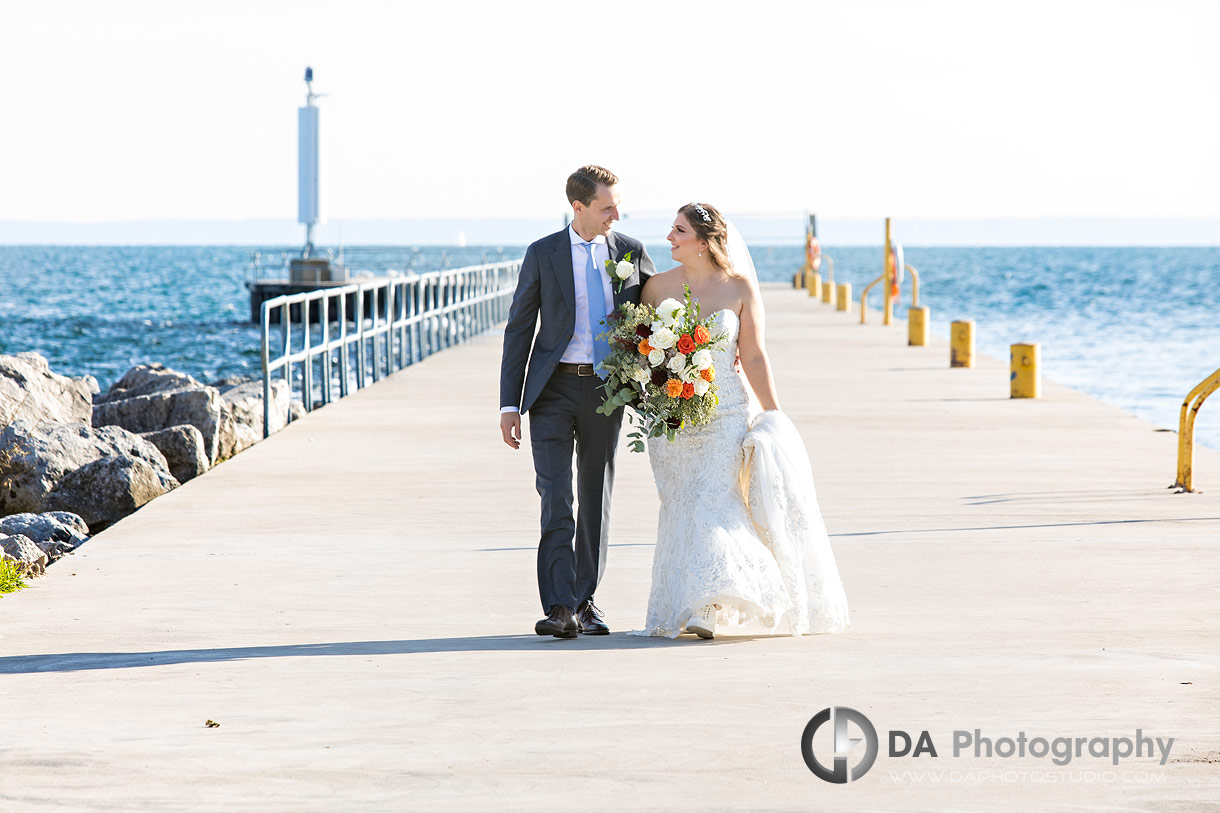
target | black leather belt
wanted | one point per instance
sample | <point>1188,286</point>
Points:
<point>574,369</point>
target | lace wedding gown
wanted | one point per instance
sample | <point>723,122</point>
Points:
<point>739,524</point>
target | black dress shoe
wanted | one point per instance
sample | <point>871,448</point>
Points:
<point>559,622</point>
<point>591,620</point>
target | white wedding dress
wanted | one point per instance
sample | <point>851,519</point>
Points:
<point>739,524</point>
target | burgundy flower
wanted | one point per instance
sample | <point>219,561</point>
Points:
<point>643,331</point>
<point>659,377</point>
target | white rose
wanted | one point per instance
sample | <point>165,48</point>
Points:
<point>623,270</point>
<point>670,311</point>
<point>656,357</point>
<point>701,359</point>
<point>701,386</point>
<point>642,375</point>
<point>677,364</point>
<point>663,339</point>
<point>689,375</point>
<point>658,325</point>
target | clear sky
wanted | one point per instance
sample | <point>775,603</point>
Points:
<point>123,110</point>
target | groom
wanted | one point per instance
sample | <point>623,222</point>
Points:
<point>564,291</point>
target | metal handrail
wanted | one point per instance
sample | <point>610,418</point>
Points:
<point>409,319</point>
<point>1186,429</point>
<point>867,288</point>
<point>864,299</point>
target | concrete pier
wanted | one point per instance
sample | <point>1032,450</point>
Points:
<point>352,600</point>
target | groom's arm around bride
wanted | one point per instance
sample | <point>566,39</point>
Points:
<point>548,370</point>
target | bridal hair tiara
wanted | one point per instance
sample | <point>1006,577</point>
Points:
<point>702,213</point>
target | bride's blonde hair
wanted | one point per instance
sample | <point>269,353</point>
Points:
<point>710,225</point>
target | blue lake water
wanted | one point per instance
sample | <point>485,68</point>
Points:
<point>1136,327</point>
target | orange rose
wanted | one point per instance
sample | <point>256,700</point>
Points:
<point>644,347</point>
<point>673,388</point>
<point>701,335</point>
<point>688,390</point>
<point>686,345</point>
<point>709,374</point>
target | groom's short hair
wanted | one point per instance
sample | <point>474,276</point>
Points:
<point>583,183</point>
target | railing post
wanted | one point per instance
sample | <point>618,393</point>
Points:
<point>326,372</point>
<point>307,383</point>
<point>375,310</point>
<point>286,351</point>
<point>400,291</point>
<point>344,356</point>
<point>450,310</point>
<point>413,323</point>
<point>428,318</point>
<point>266,357</point>
<point>437,323</point>
<point>470,304</point>
<point>388,327</point>
<point>360,349</point>
<point>443,310</point>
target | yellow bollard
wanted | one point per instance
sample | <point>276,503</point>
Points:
<point>828,292</point>
<point>1025,363</point>
<point>844,299</point>
<point>961,344</point>
<point>815,284</point>
<point>917,326</point>
<point>798,279</point>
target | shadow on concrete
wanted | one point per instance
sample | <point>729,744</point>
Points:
<point>1073,496</point>
<point>612,544</point>
<point>1164,520</point>
<point>91,661</point>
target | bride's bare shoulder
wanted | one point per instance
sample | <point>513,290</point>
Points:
<point>669,275</point>
<point>662,284</point>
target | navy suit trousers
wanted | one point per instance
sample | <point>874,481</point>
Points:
<point>572,550</point>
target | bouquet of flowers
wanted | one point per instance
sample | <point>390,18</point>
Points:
<point>660,365</point>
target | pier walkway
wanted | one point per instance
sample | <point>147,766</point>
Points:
<point>353,599</point>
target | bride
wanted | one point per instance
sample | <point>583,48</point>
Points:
<point>740,539</point>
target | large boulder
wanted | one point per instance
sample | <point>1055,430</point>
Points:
<point>152,397</point>
<point>55,532</point>
<point>35,461</point>
<point>183,450</point>
<point>242,415</point>
<point>29,391</point>
<point>31,561</point>
<point>145,379</point>
<point>106,490</point>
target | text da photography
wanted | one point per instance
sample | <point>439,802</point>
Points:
<point>840,744</point>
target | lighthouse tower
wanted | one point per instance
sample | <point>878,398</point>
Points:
<point>309,267</point>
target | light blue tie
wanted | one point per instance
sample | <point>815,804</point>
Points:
<point>597,310</point>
